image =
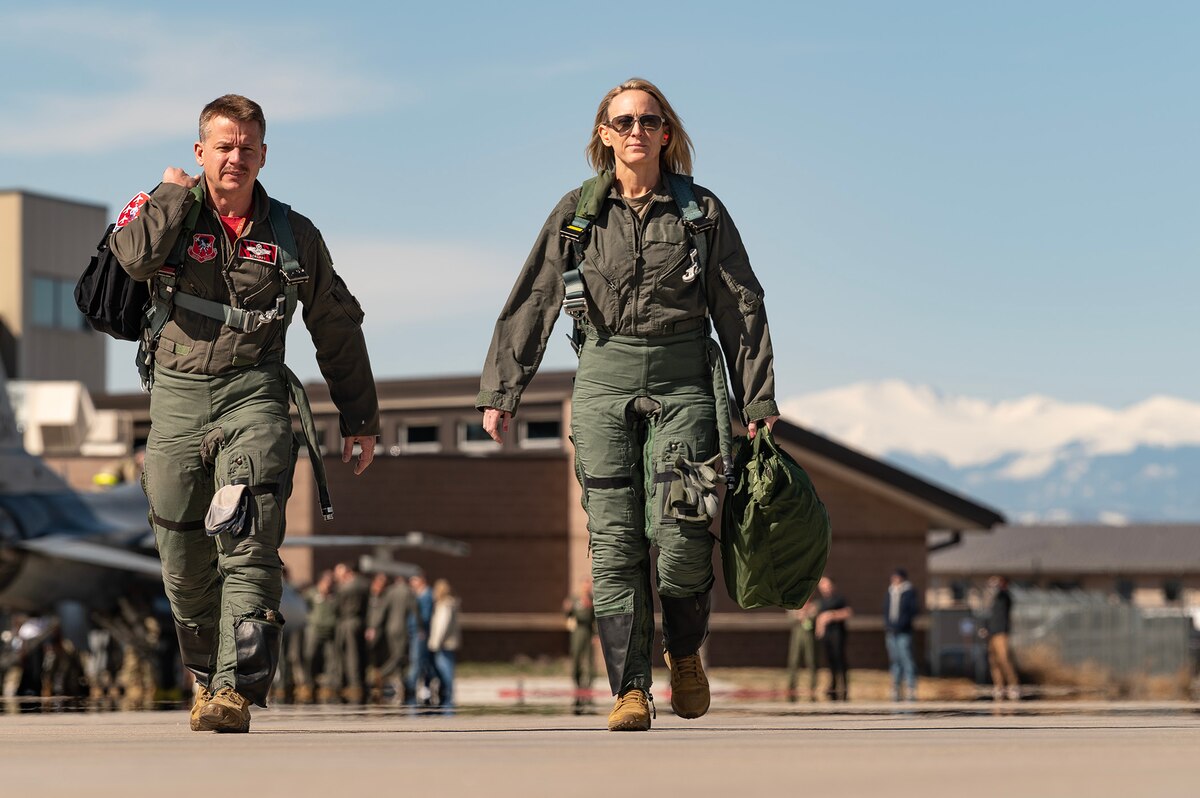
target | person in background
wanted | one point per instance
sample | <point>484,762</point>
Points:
<point>581,624</point>
<point>832,614</point>
<point>420,670</point>
<point>374,636</point>
<point>1004,676</point>
<point>401,609</point>
<point>320,656</point>
<point>900,608</point>
<point>352,596</point>
<point>802,649</point>
<point>444,640</point>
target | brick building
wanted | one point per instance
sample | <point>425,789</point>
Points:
<point>517,505</point>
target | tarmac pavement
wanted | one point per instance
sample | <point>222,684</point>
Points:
<point>736,751</point>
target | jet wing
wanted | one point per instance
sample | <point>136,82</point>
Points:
<point>411,540</point>
<point>72,548</point>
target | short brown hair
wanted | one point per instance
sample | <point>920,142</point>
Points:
<point>235,107</point>
<point>676,156</point>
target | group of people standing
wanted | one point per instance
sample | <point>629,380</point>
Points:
<point>378,639</point>
<point>823,619</point>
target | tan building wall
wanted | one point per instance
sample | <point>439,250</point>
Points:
<point>52,239</point>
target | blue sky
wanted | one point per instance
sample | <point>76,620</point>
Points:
<point>992,199</point>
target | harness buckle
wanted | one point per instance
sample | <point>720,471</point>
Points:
<point>577,230</point>
<point>295,276</point>
<point>255,319</point>
<point>699,225</point>
<point>575,306</point>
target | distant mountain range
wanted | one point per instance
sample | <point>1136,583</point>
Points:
<point>1034,458</point>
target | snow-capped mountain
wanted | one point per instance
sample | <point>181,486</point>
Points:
<point>1035,457</point>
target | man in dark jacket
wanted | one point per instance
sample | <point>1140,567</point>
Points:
<point>1004,676</point>
<point>900,608</point>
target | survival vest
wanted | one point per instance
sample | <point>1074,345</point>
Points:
<point>166,295</point>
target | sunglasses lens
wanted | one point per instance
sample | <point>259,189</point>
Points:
<point>621,124</point>
<point>650,122</point>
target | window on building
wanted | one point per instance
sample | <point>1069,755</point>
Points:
<point>1124,588</point>
<point>44,305</point>
<point>420,438</point>
<point>541,434</point>
<point>473,438</point>
<point>1172,590</point>
<point>54,304</point>
<point>69,317</point>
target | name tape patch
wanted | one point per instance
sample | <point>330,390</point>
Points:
<point>258,251</point>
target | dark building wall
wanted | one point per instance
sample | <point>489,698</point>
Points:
<point>509,510</point>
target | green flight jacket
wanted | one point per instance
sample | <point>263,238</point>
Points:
<point>636,277</point>
<point>246,275</point>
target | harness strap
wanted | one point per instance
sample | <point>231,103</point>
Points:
<point>158,311</point>
<point>292,272</point>
<point>694,219</point>
<point>300,399</point>
<point>577,232</point>
<point>246,321</point>
<point>178,526</point>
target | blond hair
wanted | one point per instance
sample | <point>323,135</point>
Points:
<point>234,107</point>
<point>675,157</point>
<point>441,590</point>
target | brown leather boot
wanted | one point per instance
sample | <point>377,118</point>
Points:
<point>632,712</point>
<point>227,711</point>
<point>199,700</point>
<point>689,686</point>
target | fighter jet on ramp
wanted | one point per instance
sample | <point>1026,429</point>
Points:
<point>58,544</point>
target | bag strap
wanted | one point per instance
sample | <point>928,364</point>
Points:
<point>162,298</point>
<point>694,219</point>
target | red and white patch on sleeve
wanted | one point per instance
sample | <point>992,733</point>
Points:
<point>258,251</point>
<point>131,211</point>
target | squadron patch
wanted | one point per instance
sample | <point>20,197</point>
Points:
<point>258,251</point>
<point>131,210</point>
<point>203,247</point>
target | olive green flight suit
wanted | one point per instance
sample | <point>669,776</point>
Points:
<point>219,416</point>
<point>643,400</point>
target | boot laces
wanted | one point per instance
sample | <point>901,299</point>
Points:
<point>687,667</point>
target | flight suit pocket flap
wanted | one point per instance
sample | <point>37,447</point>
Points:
<point>228,511</point>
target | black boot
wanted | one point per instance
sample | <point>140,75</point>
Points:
<point>685,625</point>
<point>198,650</point>
<point>615,633</point>
<point>257,641</point>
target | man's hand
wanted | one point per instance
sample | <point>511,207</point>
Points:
<point>366,443</point>
<point>752,427</point>
<point>174,174</point>
<point>494,422</point>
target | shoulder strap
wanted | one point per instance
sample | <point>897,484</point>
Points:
<point>162,296</point>
<point>591,198</point>
<point>291,271</point>
<point>694,219</point>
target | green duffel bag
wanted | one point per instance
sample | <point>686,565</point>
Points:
<point>775,532</point>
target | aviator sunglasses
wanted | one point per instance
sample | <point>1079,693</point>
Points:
<point>624,124</point>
